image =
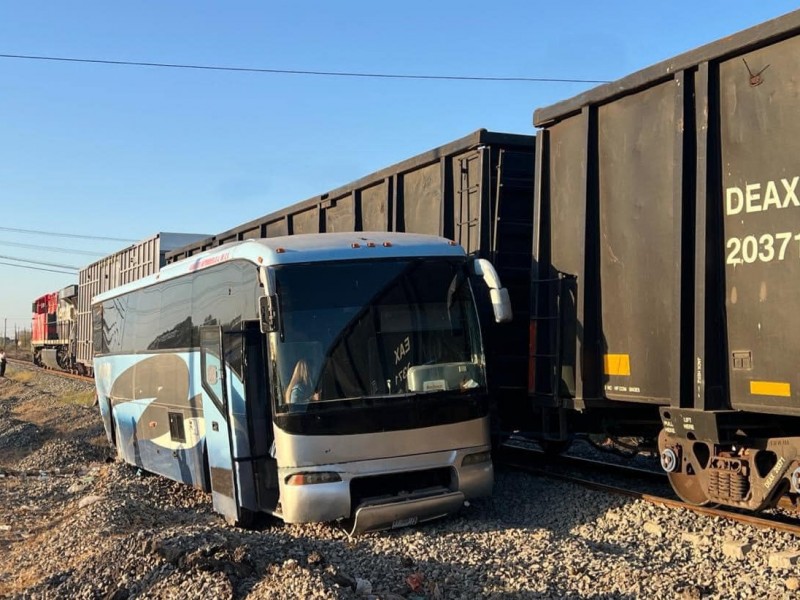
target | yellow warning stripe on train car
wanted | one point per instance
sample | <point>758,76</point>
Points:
<point>617,364</point>
<point>770,388</point>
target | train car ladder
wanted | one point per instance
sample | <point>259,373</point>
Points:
<point>546,352</point>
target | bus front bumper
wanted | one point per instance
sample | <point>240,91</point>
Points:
<point>405,512</point>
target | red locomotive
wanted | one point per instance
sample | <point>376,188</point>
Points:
<point>53,331</point>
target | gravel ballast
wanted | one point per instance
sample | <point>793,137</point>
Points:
<point>75,526</point>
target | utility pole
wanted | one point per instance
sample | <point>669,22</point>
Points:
<point>5,324</point>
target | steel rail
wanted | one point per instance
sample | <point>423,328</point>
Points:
<point>66,374</point>
<point>729,514</point>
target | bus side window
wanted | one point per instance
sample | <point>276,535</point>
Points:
<point>212,373</point>
<point>97,330</point>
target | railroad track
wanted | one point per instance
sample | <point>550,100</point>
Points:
<point>32,367</point>
<point>564,468</point>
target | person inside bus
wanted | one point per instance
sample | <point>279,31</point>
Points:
<point>300,388</point>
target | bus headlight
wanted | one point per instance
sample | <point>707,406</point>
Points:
<point>476,458</point>
<point>312,478</point>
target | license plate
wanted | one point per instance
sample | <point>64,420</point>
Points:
<point>397,523</point>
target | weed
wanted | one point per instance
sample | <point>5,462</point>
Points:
<point>80,398</point>
<point>20,376</point>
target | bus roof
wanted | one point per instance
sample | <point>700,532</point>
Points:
<point>301,248</point>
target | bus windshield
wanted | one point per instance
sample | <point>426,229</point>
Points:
<point>361,329</point>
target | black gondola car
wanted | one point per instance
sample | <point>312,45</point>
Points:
<point>668,255</point>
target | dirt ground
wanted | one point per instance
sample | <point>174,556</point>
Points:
<point>51,441</point>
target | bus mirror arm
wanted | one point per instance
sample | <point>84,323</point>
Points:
<point>268,311</point>
<point>501,303</point>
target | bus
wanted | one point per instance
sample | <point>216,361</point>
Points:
<point>329,377</point>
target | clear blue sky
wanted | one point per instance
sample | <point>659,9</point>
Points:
<point>125,151</point>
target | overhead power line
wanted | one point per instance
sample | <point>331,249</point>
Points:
<point>38,262</point>
<point>67,235</point>
<point>131,63</point>
<point>51,248</point>
<point>36,268</point>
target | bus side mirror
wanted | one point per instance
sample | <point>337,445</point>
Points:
<point>501,303</point>
<point>268,313</point>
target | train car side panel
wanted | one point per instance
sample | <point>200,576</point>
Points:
<point>759,128</point>
<point>636,137</point>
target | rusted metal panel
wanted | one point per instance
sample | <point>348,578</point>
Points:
<point>306,221</point>
<point>251,234</point>
<point>422,199</point>
<point>276,228</point>
<point>376,206</point>
<point>468,183</point>
<point>340,215</point>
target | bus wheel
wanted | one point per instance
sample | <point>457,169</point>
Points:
<point>206,471</point>
<point>245,520</point>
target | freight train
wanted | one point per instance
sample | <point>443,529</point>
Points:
<point>648,235</point>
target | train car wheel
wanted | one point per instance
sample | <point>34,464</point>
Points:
<point>689,488</point>
<point>555,447</point>
<point>62,358</point>
<point>684,479</point>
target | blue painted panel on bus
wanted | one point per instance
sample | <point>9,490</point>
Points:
<point>157,411</point>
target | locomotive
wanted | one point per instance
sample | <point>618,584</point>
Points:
<point>54,329</point>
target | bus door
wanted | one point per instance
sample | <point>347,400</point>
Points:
<point>219,448</point>
<point>263,466</point>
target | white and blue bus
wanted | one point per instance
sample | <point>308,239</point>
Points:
<point>330,377</point>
